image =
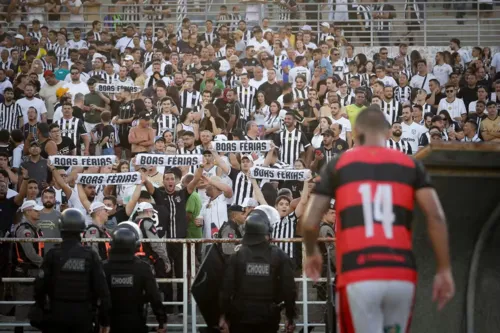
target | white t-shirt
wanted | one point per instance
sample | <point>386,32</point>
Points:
<point>37,103</point>
<point>411,134</point>
<point>126,41</point>
<point>74,89</point>
<point>456,108</point>
<point>389,81</point>
<point>495,62</point>
<point>214,212</point>
<point>422,82</point>
<point>17,156</point>
<point>259,46</point>
<point>472,106</point>
<point>78,17</point>
<point>346,126</point>
<point>442,73</point>
<point>74,202</point>
<point>296,71</point>
<point>256,84</point>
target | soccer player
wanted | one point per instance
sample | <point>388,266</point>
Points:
<point>375,189</point>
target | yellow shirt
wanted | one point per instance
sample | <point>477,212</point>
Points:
<point>352,113</point>
<point>488,125</point>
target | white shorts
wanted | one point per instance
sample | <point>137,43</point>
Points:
<point>379,306</point>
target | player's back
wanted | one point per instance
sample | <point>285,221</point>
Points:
<point>374,188</point>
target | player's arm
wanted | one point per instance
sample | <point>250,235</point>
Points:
<point>317,206</point>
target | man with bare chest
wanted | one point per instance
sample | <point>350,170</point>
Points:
<point>141,137</point>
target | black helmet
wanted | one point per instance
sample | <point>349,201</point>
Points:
<point>124,239</point>
<point>72,220</point>
<point>258,225</point>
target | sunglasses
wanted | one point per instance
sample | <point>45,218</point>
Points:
<point>450,91</point>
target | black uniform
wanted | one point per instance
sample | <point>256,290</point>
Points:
<point>257,279</point>
<point>132,285</point>
<point>73,280</point>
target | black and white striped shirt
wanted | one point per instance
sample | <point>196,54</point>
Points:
<point>9,116</point>
<point>242,187</point>
<point>46,65</point>
<point>402,94</point>
<point>195,151</point>
<point>285,13</point>
<point>408,72</point>
<point>392,109</point>
<point>291,144</point>
<point>322,36</point>
<point>297,93</point>
<point>365,12</point>
<point>401,145</point>
<point>345,101</point>
<point>50,46</point>
<point>233,81</point>
<point>209,37</point>
<point>246,96</point>
<point>346,61</point>
<point>36,34</point>
<point>101,74</point>
<point>278,59</point>
<point>72,128</point>
<point>109,78</point>
<point>148,57</point>
<point>6,65</point>
<point>190,99</point>
<point>165,122</point>
<point>62,52</point>
<point>286,228</point>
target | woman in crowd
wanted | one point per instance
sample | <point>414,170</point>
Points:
<point>273,122</point>
<point>261,111</point>
<point>324,124</point>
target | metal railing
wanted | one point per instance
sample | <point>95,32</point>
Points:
<point>192,325</point>
<point>436,23</point>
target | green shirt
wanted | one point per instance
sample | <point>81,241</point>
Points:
<point>93,116</point>
<point>218,84</point>
<point>193,206</point>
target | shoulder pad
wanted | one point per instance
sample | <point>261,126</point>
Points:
<point>27,233</point>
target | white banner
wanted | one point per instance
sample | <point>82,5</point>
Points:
<point>85,161</point>
<point>279,174</point>
<point>115,88</point>
<point>242,146</point>
<point>124,178</point>
<point>168,160</point>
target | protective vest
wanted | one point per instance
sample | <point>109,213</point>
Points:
<point>145,250</point>
<point>72,274</point>
<point>126,287</point>
<point>255,299</point>
<point>20,255</point>
<point>103,247</point>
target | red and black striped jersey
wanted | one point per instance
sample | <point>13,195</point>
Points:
<point>374,190</point>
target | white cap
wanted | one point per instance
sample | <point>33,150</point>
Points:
<point>220,137</point>
<point>306,28</point>
<point>31,204</point>
<point>249,202</point>
<point>129,58</point>
<point>99,56</point>
<point>145,206</point>
<point>19,36</point>
<point>330,38</point>
<point>96,205</point>
<point>325,24</point>
<point>247,156</point>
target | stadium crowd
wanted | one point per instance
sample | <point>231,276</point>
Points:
<point>115,90</point>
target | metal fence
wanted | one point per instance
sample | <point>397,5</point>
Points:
<point>433,25</point>
<point>309,309</point>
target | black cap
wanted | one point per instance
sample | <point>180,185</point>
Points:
<point>34,143</point>
<point>44,129</point>
<point>145,115</point>
<point>236,208</point>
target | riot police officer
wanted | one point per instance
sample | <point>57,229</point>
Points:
<point>99,213</point>
<point>258,278</point>
<point>131,283</point>
<point>233,228</point>
<point>29,255</point>
<point>73,279</point>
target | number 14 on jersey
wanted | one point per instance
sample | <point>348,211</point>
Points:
<point>379,209</point>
